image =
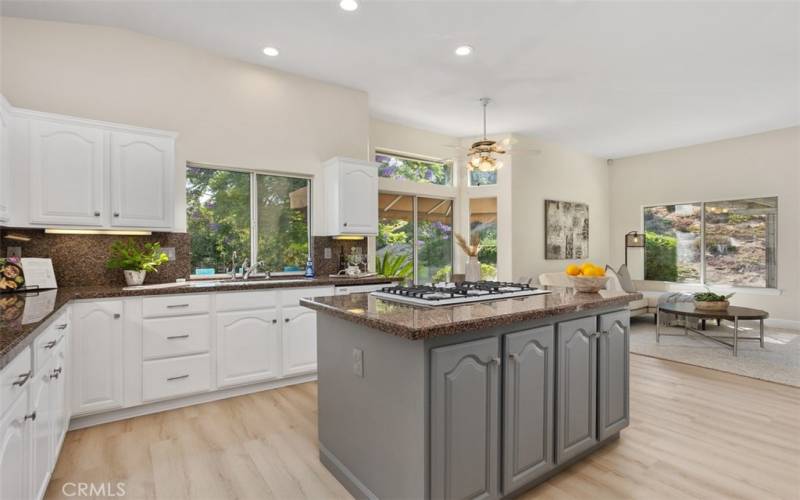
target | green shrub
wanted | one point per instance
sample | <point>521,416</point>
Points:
<point>661,257</point>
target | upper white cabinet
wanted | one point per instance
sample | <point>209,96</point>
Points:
<point>73,172</point>
<point>351,197</point>
<point>66,174</point>
<point>142,171</point>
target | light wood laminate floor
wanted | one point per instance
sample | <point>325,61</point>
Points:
<point>694,433</point>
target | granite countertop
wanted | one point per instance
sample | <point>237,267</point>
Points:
<point>419,322</point>
<point>15,307</point>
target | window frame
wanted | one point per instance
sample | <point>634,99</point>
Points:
<point>253,256</point>
<point>702,283</point>
<point>418,158</point>
<point>415,232</point>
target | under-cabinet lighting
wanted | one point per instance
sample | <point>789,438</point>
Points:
<point>17,237</point>
<point>109,232</point>
<point>349,238</point>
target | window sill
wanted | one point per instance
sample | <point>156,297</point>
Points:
<point>669,286</point>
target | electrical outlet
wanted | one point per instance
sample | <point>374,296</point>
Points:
<point>358,362</point>
<point>170,251</point>
<point>14,252</point>
<point>327,253</point>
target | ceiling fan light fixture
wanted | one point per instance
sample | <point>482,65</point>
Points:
<point>348,5</point>
<point>271,51</point>
<point>463,50</point>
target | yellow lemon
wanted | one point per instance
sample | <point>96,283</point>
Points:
<point>593,271</point>
<point>586,266</point>
<point>573,270</point>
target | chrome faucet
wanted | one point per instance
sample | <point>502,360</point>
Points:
<point>254,269</point>
<point>234,256</point>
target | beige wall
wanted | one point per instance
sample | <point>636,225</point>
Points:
<point>226,112</point>
<point>556,173</point>
<point>765,164</point>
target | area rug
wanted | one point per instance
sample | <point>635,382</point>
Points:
<point>778,361</point>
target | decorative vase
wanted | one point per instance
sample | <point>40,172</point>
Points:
<point>715,305</point>
<point>134,278</point>
<point>473,270</point>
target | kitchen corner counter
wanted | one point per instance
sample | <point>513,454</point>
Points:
<point>418,322</point>
<point>15,336</point>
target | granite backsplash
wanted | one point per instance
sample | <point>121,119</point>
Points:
<point>79,259</point>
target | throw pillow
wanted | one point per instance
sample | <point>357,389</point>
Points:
<point>625,279</point>
<point>613,280</point>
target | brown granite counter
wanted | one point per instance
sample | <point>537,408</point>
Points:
<point>419,322</point>
<point>15,336</point>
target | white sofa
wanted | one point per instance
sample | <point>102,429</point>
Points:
<point>646,305</point>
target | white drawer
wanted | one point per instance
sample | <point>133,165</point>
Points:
<point>177,336</point>
<point>291,296</point>
<point>241,301</point>
<point>169,378</point>
<point>14,377</point>
<point>175,305</point>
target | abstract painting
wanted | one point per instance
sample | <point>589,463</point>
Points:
<point>566,230</point>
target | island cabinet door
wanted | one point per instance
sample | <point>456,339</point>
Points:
<point>612,372</point>
<point>528,413</point>
<point>576,382</point>
<point>465,407</point>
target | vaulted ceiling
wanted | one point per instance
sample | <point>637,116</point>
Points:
<point>607,78</point>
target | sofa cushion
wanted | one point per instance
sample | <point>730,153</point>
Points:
<point>638,304</point>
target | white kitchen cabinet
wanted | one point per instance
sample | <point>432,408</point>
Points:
<point>67,173</point>
<point>299,332</point>
<point>42,409</point>
<point>15,450</point>
<point>248,347</point>
<point>97,356</point>
<point>5,166</point>
<point>142,170</point>
<point>351,197</point>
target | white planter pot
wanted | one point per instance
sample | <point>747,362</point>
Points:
<point>134,278</point>
<point>473,270</point>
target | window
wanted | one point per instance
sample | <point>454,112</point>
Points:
<point>225,208</point>
<point>483,220</point>
<point>393,166</point>
<point>713,243</point>
<point>478,178</point>
<point>415,238</point>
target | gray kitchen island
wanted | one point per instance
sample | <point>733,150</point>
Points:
<point>482,400</point>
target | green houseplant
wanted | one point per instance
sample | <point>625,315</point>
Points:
<point>710,301</point>
<point>135,260</point>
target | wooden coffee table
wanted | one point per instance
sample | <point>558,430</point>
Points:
<point>733,313</point>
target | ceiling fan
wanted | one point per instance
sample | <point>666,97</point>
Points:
<point>483,155</point>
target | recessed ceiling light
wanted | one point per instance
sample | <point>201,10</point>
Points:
<point>463,50</point>
<point>271,51</point>
<point>348,5</point>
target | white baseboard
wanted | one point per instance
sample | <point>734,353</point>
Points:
<point>783,323</point>
<point>82,421</point>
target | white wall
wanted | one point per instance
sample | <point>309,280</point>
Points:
<point>765,164</point>
<point>226,112</point>
<point>555,173</point>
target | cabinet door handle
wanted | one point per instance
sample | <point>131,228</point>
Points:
<point>494,361</point>
<point>116,316</point>
<point>274,321</point>
<point>97,213</point>
<point>177,306</point>
<point>179,377</point>
<point>285,320</point>
<point>55,374</point>
<point>513,355</point>
<point>30,416</point>
<point>175,337</point>
<point>345,224</point>
<point>21,379</point>
<point>116,214</point>
<point>61,326</point>
<point>50,344</point>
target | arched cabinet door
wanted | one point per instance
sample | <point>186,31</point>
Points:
<point>248,347</point>
<point>67,174</point>
<point>529,382</point>
<point>299,332</point>
<point>15,451</point>
<point>612,370</point>
<point>576,400</point>
<point>465,409</point>
<point>358,198</point>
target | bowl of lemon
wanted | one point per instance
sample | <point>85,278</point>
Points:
<point>587,277</point>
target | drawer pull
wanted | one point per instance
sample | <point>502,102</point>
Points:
<point>176,337</point>
<point>30,416</point>
<point>61,326</point>
<point>285,320</point>
<point>116,316</point>
<point>274,321</point>
<point>50,344</point>
<point>56,373</point>
<point>179,377</point>
<point>177,306</point>
<point>22,379</point>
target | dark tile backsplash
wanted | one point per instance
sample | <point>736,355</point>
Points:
<point>324,266</point>
<point>80,259</point>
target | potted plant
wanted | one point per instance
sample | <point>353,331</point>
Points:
<point>710,301</point>
<point>473,270</point>
<point>135,260</point>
